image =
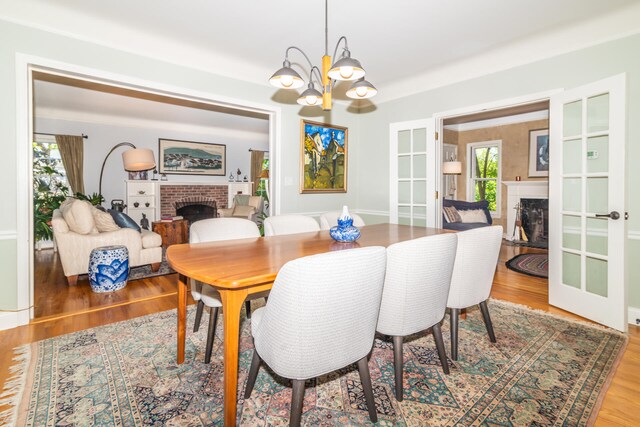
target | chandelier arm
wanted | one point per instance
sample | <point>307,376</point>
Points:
<point>318,77</point>
<point>299,50</point>
<point>346,46</point>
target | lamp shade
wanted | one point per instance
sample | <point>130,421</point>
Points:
<point>362,89</point>
<point>452,168</point>
<point>138,159</point>
<point>346,68</point>
<point>286,78</point>
<point>310,97</point>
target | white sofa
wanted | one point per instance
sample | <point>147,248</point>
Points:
<point>75,242</point>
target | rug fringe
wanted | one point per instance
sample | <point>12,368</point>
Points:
<point>587,323</point>
<point>14,386</point>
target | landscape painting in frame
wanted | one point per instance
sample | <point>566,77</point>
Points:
<point>192,158</point>
<point>539,152</point>
<point>324,158</point>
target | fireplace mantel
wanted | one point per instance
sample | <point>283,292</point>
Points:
<point>517,190</point>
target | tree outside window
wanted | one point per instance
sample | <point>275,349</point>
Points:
<point>485,174</point>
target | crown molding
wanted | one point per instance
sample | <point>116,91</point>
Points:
<point>500,121</point>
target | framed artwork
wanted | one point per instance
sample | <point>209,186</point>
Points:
<point>323,149</point>
<point>539,152</point>
<point>191,158</point>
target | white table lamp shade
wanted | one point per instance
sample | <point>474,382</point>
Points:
<point>138,159</point>
<point>452,168</point>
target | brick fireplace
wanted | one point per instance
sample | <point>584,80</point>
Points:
<point>172,194</point>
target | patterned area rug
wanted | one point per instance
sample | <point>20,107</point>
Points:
<point>532,264</point>
<point>543,371</point>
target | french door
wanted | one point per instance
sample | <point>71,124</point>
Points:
<point>587,202</point>
<point>413,169</point>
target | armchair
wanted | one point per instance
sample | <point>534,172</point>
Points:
<point>243,206</point>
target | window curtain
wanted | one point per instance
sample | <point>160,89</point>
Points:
<point>256,168</point>
<point>72,153</point>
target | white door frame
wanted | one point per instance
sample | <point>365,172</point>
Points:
<point>25,65</point>
<point>478,108</point>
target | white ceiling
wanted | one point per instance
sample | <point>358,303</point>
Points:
<point>398,42</point>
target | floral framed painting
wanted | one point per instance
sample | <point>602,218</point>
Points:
<point>191,158</point>
<point>538,153</point>
<point>323,149</point>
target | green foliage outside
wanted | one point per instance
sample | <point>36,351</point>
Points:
<point>49,190</point>
<point>486,167</point>
<point>262,191</point>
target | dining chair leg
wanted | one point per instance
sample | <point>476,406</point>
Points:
<point>253,374</point>
<point>398,366</point>
<point>297,400</point>
<point>487,320</point>
<point>442,354</point>
<point>365,379</point>
<point>247,306</point>
<point>455,312</point>
<point>199,310</point>
<point>213,319</point>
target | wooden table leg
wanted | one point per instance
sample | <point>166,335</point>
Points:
<point>182,316</point>
<point>232,301</point>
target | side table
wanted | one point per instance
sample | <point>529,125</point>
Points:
<point>172,232</point>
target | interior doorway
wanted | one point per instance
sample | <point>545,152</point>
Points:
<point>486,155</point>
<point>59,299</point>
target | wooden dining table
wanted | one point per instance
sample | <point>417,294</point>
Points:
<point>239,268</point>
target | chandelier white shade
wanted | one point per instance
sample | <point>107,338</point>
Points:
<point>345,68</point>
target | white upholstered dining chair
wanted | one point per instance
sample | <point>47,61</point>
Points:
<point>414,298</point>
<point>321,316</point>
<point>330,219</point>
<point>472,279</point>
<point>289,224</point>
<point>212,230</point>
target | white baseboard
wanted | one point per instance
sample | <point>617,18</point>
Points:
<point>634,316</point>
<point>12,319</point>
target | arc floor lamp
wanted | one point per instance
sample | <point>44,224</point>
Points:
<point>134,160</point>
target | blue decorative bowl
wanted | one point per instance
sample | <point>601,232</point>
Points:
<point>347,233</point>
<point>108,268</point>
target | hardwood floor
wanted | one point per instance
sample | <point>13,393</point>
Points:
<point>621,406</point>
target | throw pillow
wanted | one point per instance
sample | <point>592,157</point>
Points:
<point>104,221</point>
<point>243,210</point>
<point>473,215</point>
<point>451,214</point>
<point>123,220</point>
<point>78,216</point>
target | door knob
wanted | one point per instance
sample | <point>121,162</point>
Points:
<point>612,215</point>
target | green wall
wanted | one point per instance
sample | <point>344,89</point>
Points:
<point>565,71</point>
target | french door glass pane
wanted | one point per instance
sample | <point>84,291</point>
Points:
<point>404,192</point>
<point>404,215</point>
<point>419,166</point>
<point>420,192</point>
<point>598,113</point>
<point>572,194</point>
<point>420,216</point>
<point>404,141</point>
<point>419,140</point>
<point>571,232</point>
<point>597,235</point>
<point>572,119</point>
<point>404,167</point>
<point>598,154</point>
<point>572,156</point>
<point>596,276</point>
<point>597,195</point>
<point>571,269</point>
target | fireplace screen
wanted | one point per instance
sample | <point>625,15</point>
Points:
<point>535,221</point>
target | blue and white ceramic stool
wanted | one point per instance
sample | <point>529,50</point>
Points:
<point>108,268</point>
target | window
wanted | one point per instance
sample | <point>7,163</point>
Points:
<point>483,168</point>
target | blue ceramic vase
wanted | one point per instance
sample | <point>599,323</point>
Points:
<point>345,231</point>
<point>108,268</point>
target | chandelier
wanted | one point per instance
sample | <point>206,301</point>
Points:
<point>346,68</point>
